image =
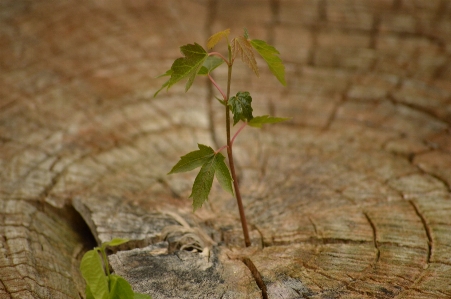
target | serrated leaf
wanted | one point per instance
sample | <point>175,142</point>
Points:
<point>92,271</point>
<point>221,101</point>
<point>270,55</point>
<point>161,88</point>
<point>210,64</point>
<point>115,242</point>
<point>204,179</point>
<point>243,48</point>
<point>202,184</point>
<point>223,174</point>
<point>120,288</point>
<point>193,159</point>
<point>241,107</point>
<point>259,121</point>
<point>188,66</point>
<point>168,73</point>
<point>215,38</point>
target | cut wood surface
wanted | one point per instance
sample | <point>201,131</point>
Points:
<point>349,199</point>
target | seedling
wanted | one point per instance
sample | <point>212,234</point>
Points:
<point>100,283</point>
<point>197,61</point>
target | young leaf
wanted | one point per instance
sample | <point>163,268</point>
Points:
<point>120,288</point>
<point>241,107</point>
<point>210,64</point>
<point>115,242</point>
<point>259,121</point>
<point>193,159</point>
<point>187,66</point>
<point>204,179</point>
<point>92,271</point>
<point>215,38</point>
<point>242,47</point>
<point>270,55</point>
<point>246,34</point>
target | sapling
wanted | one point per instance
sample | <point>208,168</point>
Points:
<point>197,61</point>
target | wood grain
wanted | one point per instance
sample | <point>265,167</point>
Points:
<point>350,199</point>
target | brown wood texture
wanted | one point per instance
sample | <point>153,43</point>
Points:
<point>350,199</point>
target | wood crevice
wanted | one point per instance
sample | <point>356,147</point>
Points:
<point>257,276</point>
<point>375,242</point>
<point>427,230</point>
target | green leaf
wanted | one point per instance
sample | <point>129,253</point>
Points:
<point>221,101</point>
<point>202,184</point>
<point>204,179</point>
<point>142,296</point>
<point>161,88</point>
<point>120,288</point>
<point>168,73</point>
<point>88,293</point>
<point>270,55</point>
<point>210,64</point>
<point>223,174</point>
<point>215,38</point>
<point>193,159</point>
<point>259,121</point>
<point>243,48</point>
<point>188,66</point>
<point>241,107</point>
<point>116,242</point>
<point>92,271</point>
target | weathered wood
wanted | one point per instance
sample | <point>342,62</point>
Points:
<point>40,250</point>
<point>350,199</point>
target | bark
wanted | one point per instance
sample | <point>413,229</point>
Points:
<point>350,199</point>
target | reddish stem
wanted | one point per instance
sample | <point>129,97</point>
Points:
<point>217,87</point>
<point>239,201</point>
<point>238,132</point>
<point>220,55</point>
<point>221,148</point>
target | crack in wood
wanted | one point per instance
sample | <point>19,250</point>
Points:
<point>165,184</point>
<point>435,176</point>
<point>319,241</point>
<point>373,227</point>
<point>426,229</point>
<point>257,276</point>
<point>274,6</point>
<point>374,31</point>
<point>314,226</point>
<point>418,108</point>
<point>322,10</point>
<point>54,181</point>
<point>333,115</point>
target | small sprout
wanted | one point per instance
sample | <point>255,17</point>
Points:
<point>197,61</point>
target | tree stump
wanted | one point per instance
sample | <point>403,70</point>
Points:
<point>349,199</point>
